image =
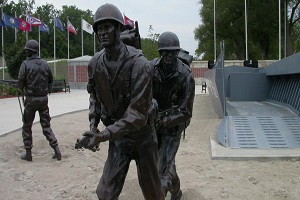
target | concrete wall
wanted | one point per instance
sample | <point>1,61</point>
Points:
<point>78,75</point>
<point>248,86</point>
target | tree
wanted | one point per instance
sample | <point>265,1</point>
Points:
<point>149,45</point>
<point>74,14</point>
<point>15,55</point>
<point>293,27</point>
<point>230,22</point>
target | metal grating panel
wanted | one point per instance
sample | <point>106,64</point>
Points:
<point>263,132</point>
<point>285,89</point>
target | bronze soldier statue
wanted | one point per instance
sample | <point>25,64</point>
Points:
<point>35,77</point>
<point>120,87</point>
<point>174,90</point>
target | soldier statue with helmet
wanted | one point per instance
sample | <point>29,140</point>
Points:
<point>120,87</point>
<point>35,79</point>
<point>174,91</point>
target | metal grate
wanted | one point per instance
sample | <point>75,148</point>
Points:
<point>285,89</point>
<point>263,132</point>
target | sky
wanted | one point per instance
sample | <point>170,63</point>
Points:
<point>178,16</point>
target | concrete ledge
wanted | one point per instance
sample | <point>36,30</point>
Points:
<point>219,152</point>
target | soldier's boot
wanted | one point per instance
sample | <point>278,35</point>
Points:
<point>175,190</point>
<point>57,154</point>
<point>27,155</point>
<point>164,190</point>
<point>176,196</point>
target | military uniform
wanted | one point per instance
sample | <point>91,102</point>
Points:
<point>35,76</point>
<point>120,87</point>
<point>121,97</point>
<point>174,91</point>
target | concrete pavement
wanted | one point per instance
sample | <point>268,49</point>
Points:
<point>59,104</point>
<point>78,100</point>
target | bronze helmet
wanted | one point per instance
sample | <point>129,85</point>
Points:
<point>32,45</point>
<point>168,41</point>
<point>105,12</point>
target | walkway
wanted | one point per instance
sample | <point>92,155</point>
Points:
<point>59,104</point>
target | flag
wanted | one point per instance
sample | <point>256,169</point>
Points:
<point>11,21</point>
<point>25,26</point>
<point>128,22</point>
<point>44,27</point>
<point>71,27</point>
<point>1,23</point>
<point>33,20</point>
<point>59,24</point>
<point>86,27</point>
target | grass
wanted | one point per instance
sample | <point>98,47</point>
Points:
<point>61,70</point>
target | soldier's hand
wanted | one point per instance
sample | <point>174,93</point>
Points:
<point>94,138</point>
<point>158,124</point>
<point>89,88</point>
<point>96,147</point>
<point>159,121</point>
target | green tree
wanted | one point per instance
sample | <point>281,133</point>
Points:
<point>149,45</point>
<point>14,56</point>
<point>230,23</point>
<point>293,16</point>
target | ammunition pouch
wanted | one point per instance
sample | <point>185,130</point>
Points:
<point>107,120</point>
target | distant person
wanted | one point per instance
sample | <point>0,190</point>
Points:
<point>120,87</point>
<point>35,77</point>
<point>174,90</point>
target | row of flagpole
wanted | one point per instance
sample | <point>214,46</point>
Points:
<point>31,21</point>
<point>18,23</point>
<point>246,29</point>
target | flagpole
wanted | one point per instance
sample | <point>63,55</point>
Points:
<point>39,40</point>
<point>30,25</point>
<point>215,30</point>
<point>285,11</point>
<point>15,29</point>
<point>68,38</point>
<point>279,30</point>
<point>94,43</point>
<point>246,28</point>
<point>54,48</point>
<point>3,77</point>
<point>81,37</point>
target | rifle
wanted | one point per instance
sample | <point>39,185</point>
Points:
<point>84,141</point>
<point>168,112</point>
<point>165,113</point>
<point>20,92</point>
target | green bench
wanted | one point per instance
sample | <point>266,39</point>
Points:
<point>60,86</point>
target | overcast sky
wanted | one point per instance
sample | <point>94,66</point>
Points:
<point>178,16</point>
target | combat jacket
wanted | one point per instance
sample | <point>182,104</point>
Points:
<point>122,101</point>
<point>35,76</point>
<point>174,91</point>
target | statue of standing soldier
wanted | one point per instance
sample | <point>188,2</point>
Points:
<point>120,87</point>
<point>36,77</point>
<point>174,90</point>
